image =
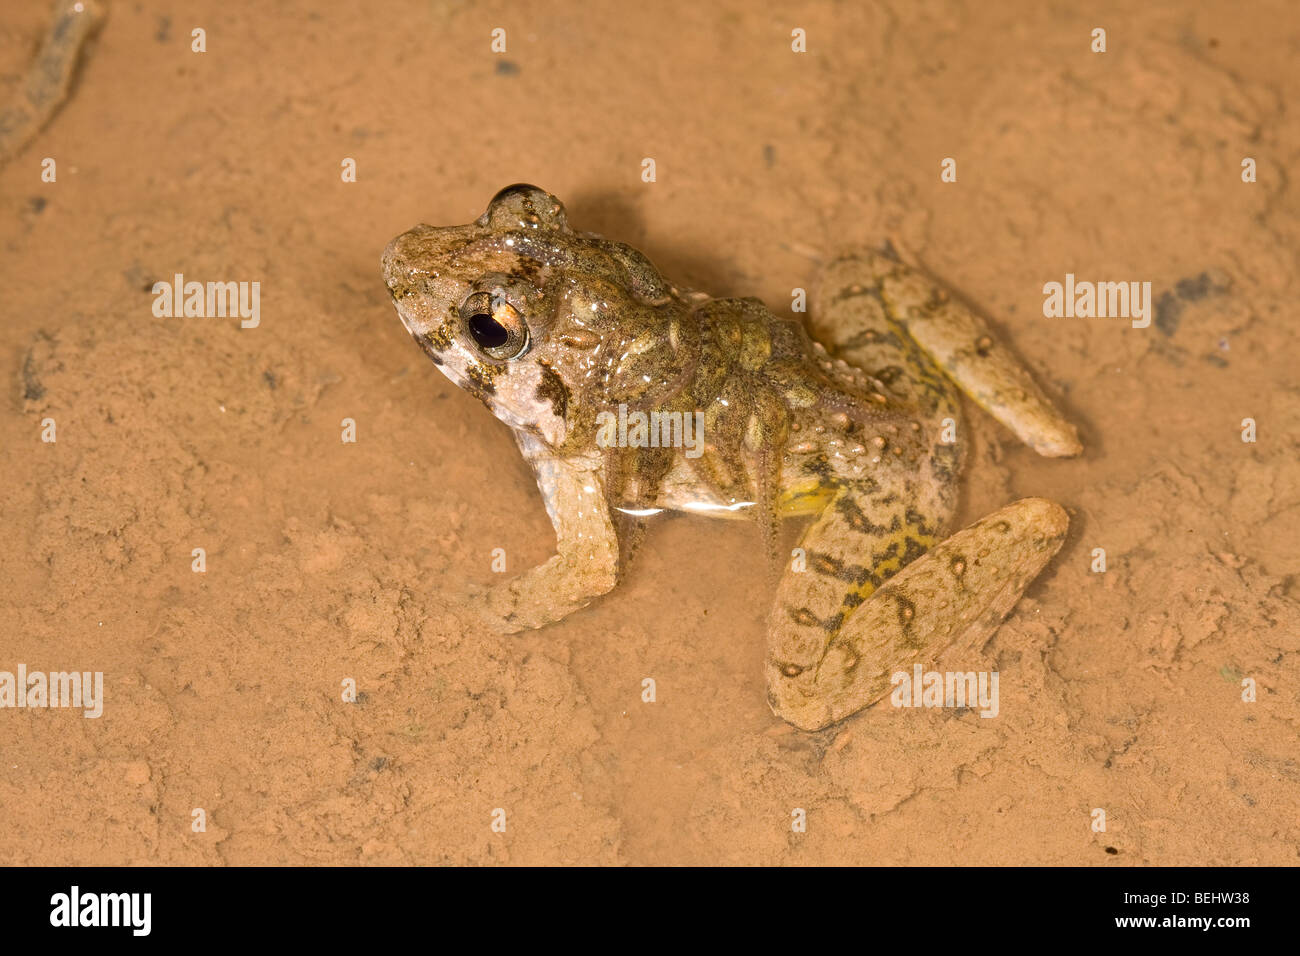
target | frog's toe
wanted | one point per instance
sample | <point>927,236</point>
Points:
<point>493,607</point>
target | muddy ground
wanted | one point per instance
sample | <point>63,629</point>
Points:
<point>326,561</point>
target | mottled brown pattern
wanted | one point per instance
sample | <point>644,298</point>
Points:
<point>483,376</point>
<point>552,389</point>
<point>861,436</point>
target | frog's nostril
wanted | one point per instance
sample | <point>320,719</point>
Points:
<point>403,260</point>
<point>394,265</point>
<point>392,255</point>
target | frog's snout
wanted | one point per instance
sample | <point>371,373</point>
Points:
<point>396,264</point>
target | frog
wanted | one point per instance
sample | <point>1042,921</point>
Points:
<point>853,421</point>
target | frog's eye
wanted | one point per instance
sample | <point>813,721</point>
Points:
<point>495,325</point>
<point>522,206</point>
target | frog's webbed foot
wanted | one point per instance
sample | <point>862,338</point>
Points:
<point>585,567</point>
<point>959,341</point>
<point>823,667</point>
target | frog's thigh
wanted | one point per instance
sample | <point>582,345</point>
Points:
<point>957,592</point>
<point>847,310</point>
<point>586,563</point>
<point>848,317</point>
<point>961,343</point>
<point>859,541</point>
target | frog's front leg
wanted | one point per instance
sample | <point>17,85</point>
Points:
<point>839,630</point>
<point>585,565</point>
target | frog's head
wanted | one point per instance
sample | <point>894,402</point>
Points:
<point>544,325</point>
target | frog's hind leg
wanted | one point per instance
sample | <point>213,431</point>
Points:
<point>822,667</point>
<point>850,319</point>
<point>960,342</point>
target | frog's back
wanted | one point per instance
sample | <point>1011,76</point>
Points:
<point>788,429</point>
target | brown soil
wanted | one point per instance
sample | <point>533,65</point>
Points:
<point>326,561</point>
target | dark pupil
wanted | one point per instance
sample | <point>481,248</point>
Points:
<point>487,331</point>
